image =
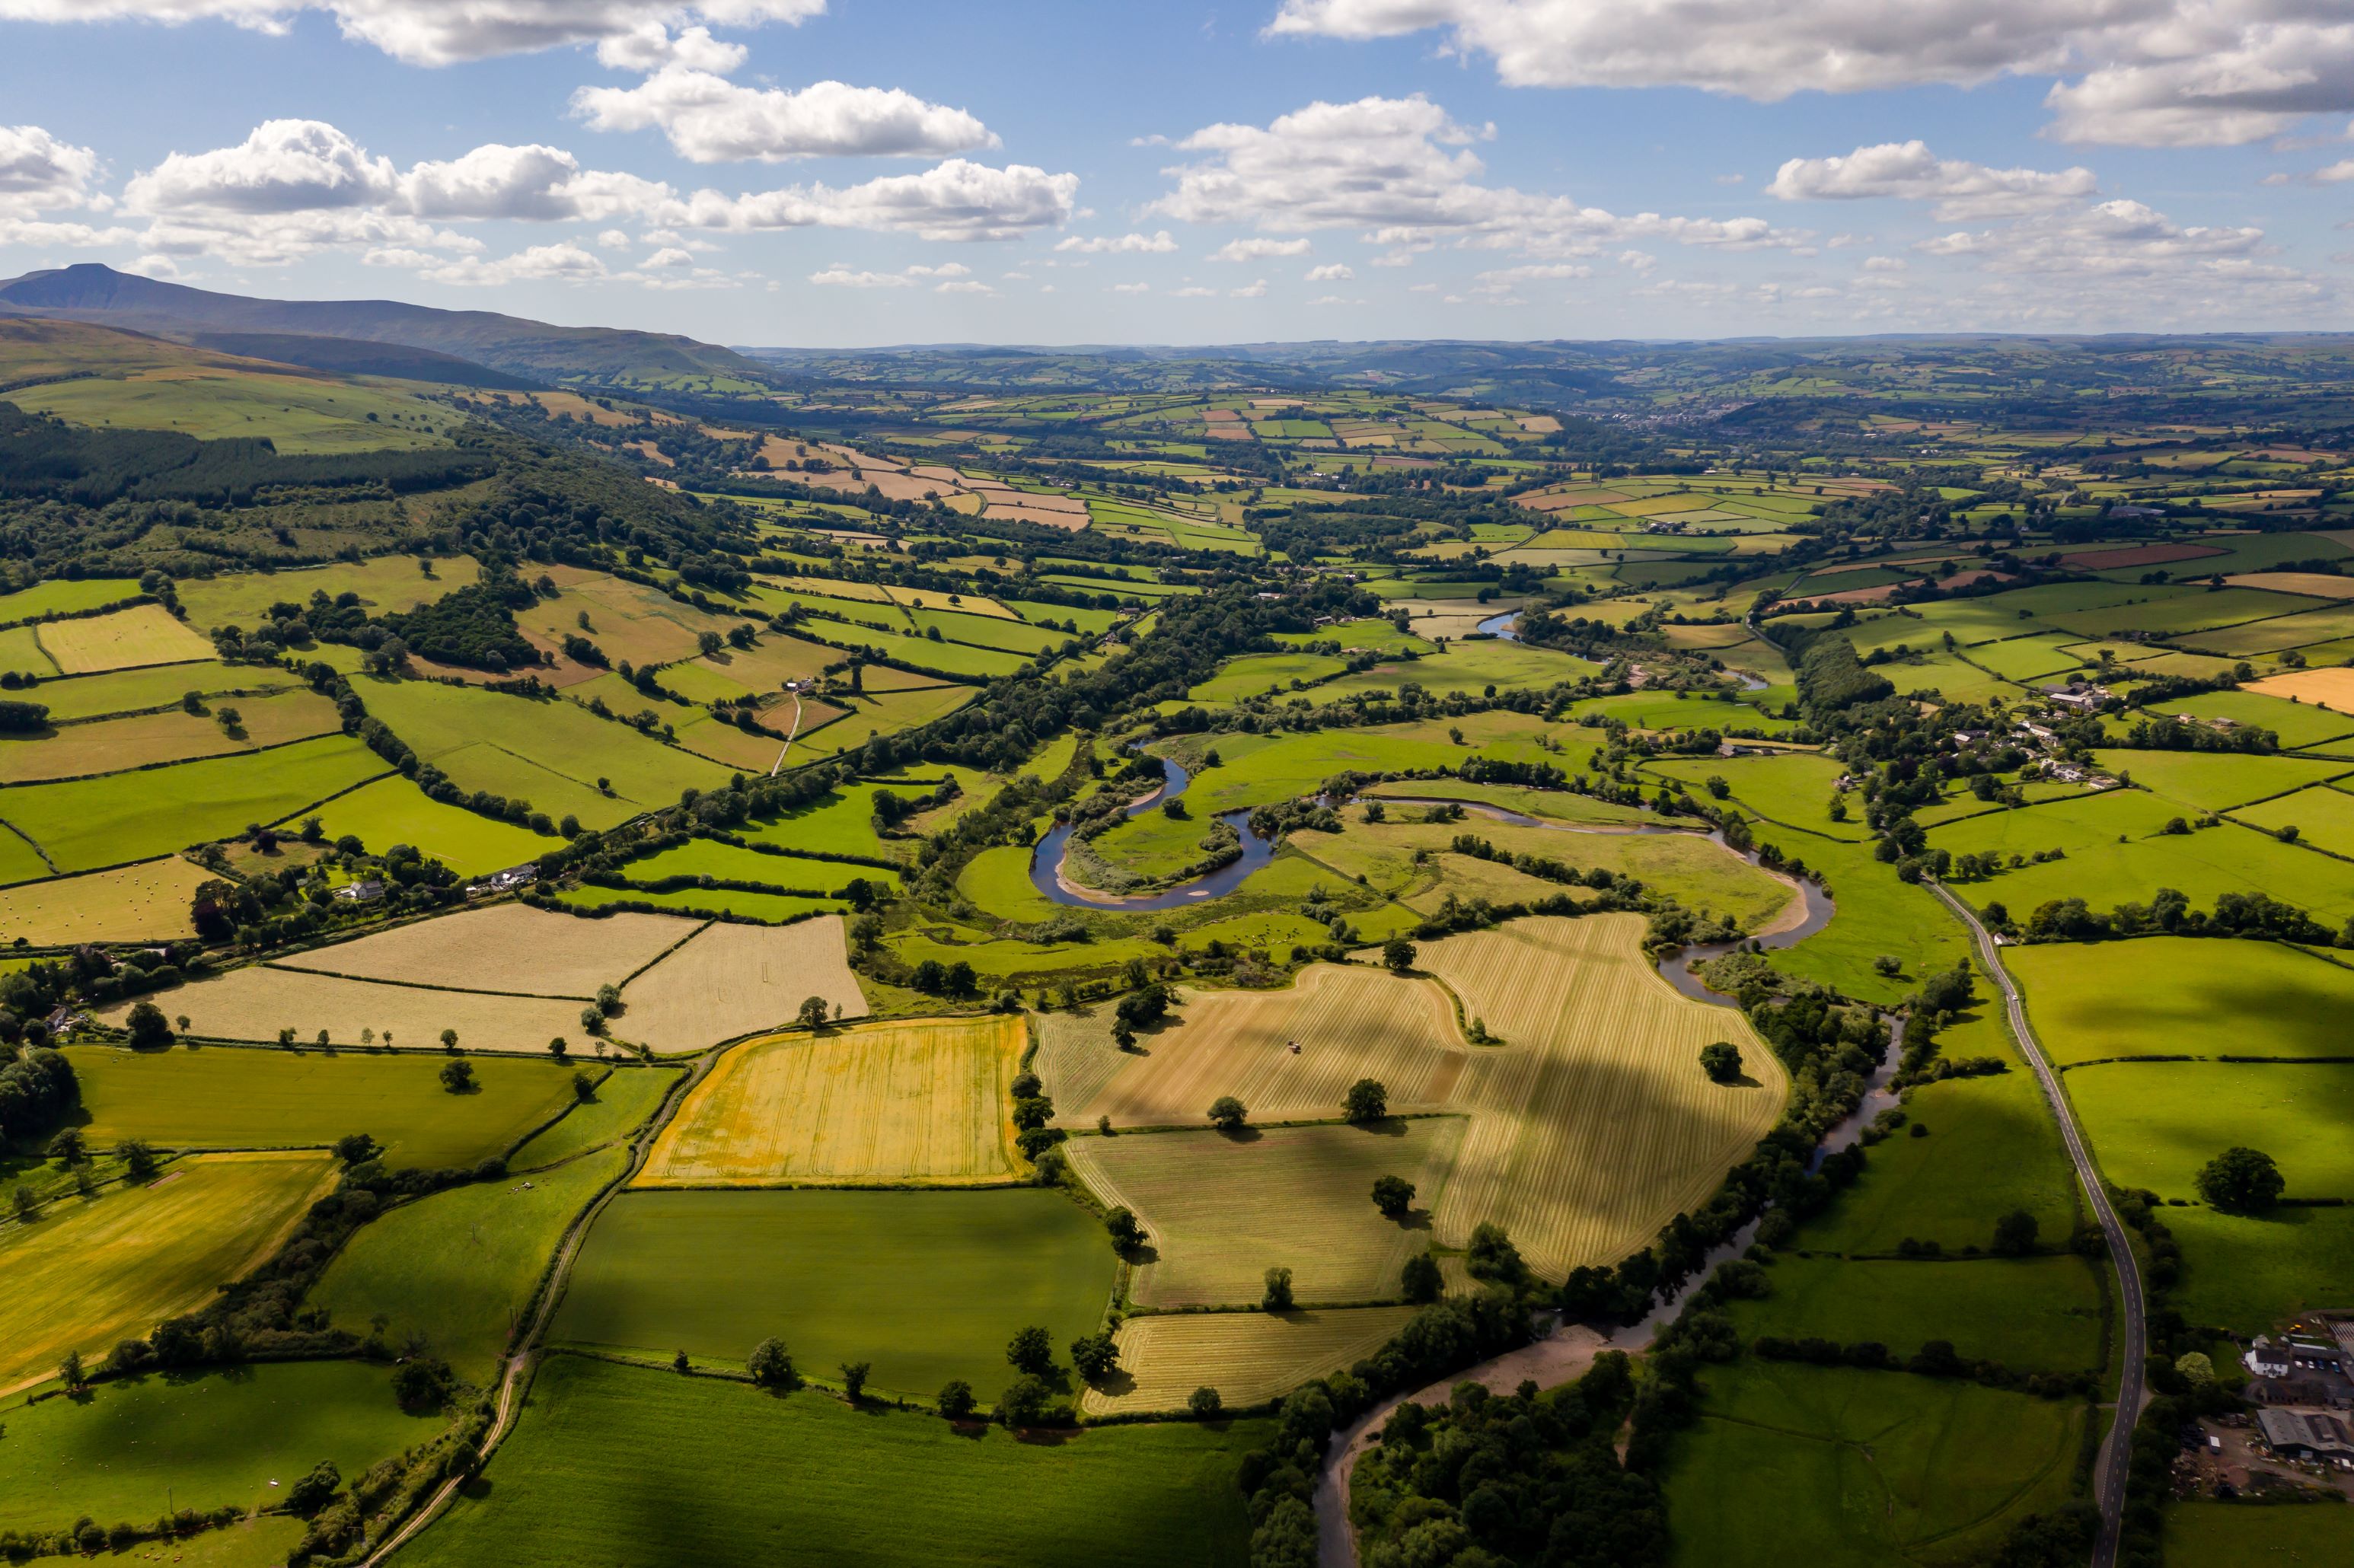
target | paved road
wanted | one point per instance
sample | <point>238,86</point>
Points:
<point>2116,1449</point>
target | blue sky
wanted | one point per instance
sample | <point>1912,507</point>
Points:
<point>851,172</point>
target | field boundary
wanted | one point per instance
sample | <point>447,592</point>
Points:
<point>402,984</point>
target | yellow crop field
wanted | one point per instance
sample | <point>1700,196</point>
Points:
<point>1246,1356</point>
<point>256,1003</point>
<point>1593,1125</point>
<point>733,980</point>
<point>133,903</point>
<point>921,1101</point>
<point>143,634</point>
<point>141,740</point>
<point>1349,1020</point>
<point>509,947</point>
<point>1222,1210</point>
<point>91,1271</point>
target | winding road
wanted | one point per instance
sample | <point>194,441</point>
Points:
<point>2116,1448</point>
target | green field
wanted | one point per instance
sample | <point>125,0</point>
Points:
<point>2154,1124</point>
<point>1263,672</point>
<point>928,1286</point>
<point>2233,1535</point>
<point>624,1100</point>
<point>548,753</point>
<point>65,597</point>
<point>2323,817</point>
<point>1860,1469</point>
<point>842,823</point>
<point>2252,1274</point>
<point>223,1097</point>
<point>395,812</point>
<point>2037,1314</point>
<point>731,862</point>
<point>214,1439</point>
<point>92,822</point>
<point>2202,865</point>
<point>132,691</point>
<point>2217,781</point>
<point>770,908</point>
<point>872,1488</point>
<point>1795,789</point>
<point>2182,996</point>
<point>386,583</point>
<point>296,411</point>
<point>460,1267</point>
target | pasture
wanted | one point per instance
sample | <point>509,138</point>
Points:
<point>2229,1535</point>
<point>918,1101</point>
<point>509,947</point>
<point>63,596</point>
<point>2252,1274</point>
<point>1261,673</point>
<point>2154,1124</point>
<point>134,691</point>
<point>94,823</point>
<point>149,900</point>
<point>928,1286</point>
<point>874,1487</point>
<point>1860,1469</point>
<point>141,635</point>
<point>1222,1210</point>
<point>2217,781</point>
<point>92,1271</point>
<point>625,1097</point>
<point>229,1097</point>
<point>393,811</point>
<point>2033,1314</point>
<point>770,908</point>
<point>216,1439</point>
<point>2202,865</point>
<point>1248,1357</point>
<point>459,1268</point>
<point>730,981</point>
<point>386,585</point>
<point>255,1003</point>
<point>297,411</point>
<point>2182,996</point>
<point>2322,816</point>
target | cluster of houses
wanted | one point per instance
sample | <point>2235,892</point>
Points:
<point>505,881</point>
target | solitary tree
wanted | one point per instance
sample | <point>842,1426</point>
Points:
<point>2014,1234</point>
<point>956,1401</point>
<point>71,1372</point>
<point>148,1029</point>
<point>1278,1298</point>
<point>2241,1180</point>
<point>813,1012</point>
<point>1205,1402</point>
<point>68,1146</point>
<point>770,1364</point>
<point>1030,1351</point>
<point>584,1086</point>
<point>853,1379</point>
<point>1421,1279</point>
<point>1127,1235</point>
<point>449,1040</point>
<point>1367,1100</point>
<point>1392,1195</point>
<point>1025,1401</point>
<point>1398,955</point>
<point>138,1158</point>
<point>1095,1356</point>
<point>458,1078</point>
<point>1721,1061</point>
<point>2197,1366</point>
<point>1491,1255</point>
<point>1227,1114</point>
<point>557,1047</point>
<point>352,1148</point>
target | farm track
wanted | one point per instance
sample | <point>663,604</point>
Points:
<point>2116,1448</point>
<point>523,1361</point>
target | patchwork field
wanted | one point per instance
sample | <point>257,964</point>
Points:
<point>149,900</point>
<point>1221,1211</point>
<point>90,1272</point>
<point>919,1101</point>
<point>897,1485</point>
<point>928,1286</point>
<point>509,947</point>
<point>255,1003</point>
<point>458,1268</point>
<point>731,981</point>
<point>229,1097</point>
<point>147,740</point>
<point>1247,1357</point>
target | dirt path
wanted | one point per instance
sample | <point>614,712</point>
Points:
<point>1547,1362</point>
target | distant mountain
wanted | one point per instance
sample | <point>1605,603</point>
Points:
<point>512,346</point>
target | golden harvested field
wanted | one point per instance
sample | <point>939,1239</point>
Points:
<point>257,1002</point>
<point>1351,1023</point>
<point>733,980</point>
<point>130,903</point>
<point>1593,1125</point>
<point>2333,688</point>
<point>2322,585</point>
<point>629,620</point>
<point>143,634</point>
<point>140,740</point>
<point>920,1101</point>
<point>91,1271</point>
<point>1246,1356</point>
<point>509,947</point>
<point>1222,1210</point>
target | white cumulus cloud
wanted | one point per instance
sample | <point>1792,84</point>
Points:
<point>1158,244</point>
<point>711,120</point>
<point>1909,171</point>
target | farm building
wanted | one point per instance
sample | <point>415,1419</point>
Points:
<point>2306,1434</point>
